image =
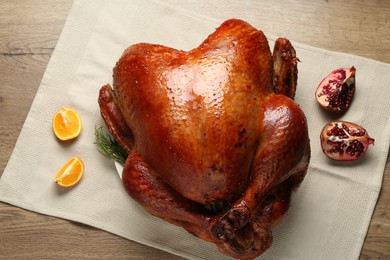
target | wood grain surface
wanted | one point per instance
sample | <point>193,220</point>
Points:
<point>29,30</point>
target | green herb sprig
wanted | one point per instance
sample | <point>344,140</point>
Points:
<point>108,147</point>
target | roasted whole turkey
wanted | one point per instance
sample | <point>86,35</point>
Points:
<point>215,142</point>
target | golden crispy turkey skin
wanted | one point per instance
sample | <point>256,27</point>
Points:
<point>215,142</point>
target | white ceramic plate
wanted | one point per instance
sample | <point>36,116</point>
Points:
<point>119,168</point>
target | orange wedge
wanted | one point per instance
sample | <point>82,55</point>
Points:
<point>66,124</point>
<point>70,173</point>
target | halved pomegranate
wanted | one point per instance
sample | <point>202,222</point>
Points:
<point>344,141</point>
<point>335,92</point>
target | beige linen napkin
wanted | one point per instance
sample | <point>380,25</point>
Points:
<point>331,211</point>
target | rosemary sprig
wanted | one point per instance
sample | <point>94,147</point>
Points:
<point>108,147</point>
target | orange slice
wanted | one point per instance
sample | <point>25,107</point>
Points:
<point>70,173</point>
<point>66,124</point>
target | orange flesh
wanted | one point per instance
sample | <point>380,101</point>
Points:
<point>66,124</point>
<point>70,173</point>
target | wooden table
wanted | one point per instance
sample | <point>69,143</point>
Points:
<point>29,30</point>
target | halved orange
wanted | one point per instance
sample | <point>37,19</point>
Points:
<point>70,173</point>
<point>66,124</point>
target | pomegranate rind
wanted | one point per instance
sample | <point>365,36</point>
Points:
<point>335,92</point>
<point>344,141</point>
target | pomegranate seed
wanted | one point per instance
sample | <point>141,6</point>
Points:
<point>344,141</point>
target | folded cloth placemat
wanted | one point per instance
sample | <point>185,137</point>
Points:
<point>331,211</point>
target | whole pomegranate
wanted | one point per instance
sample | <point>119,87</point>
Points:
<point>344,141</point>
<point>335,92</point>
